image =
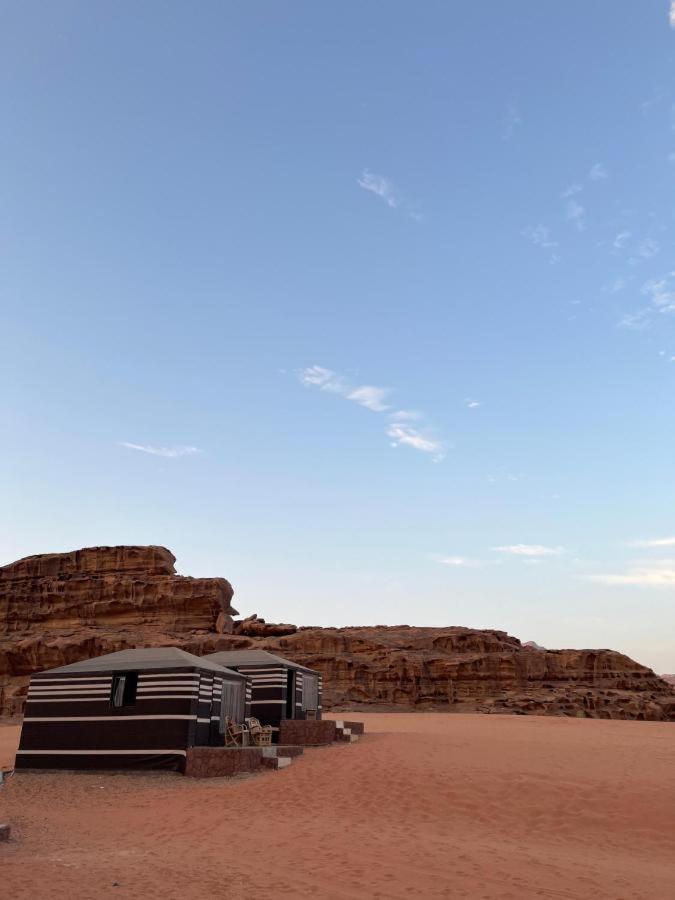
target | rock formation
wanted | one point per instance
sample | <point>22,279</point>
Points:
<point>59,608</point>
<point>465,669</point>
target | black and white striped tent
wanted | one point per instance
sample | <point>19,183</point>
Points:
<point>280,689</point>
<point>131,709</point>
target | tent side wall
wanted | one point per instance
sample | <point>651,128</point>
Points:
<point>269,692</point>
<point>70,722</point>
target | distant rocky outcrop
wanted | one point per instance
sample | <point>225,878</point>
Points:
<point>533,645</point>
<point>465,669</point>
<point>252,626</point>
<point>59,608</point>
<point>669,678</point>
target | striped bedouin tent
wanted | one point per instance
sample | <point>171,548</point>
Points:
<point>132,709</point>
<point>280,688</point>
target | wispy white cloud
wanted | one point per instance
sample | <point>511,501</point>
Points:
<point>575,213</point>
<point>636,321</point>
<point>661,292</point>
<point>532,550</point>
<point>654,542</point>
<point>540,236</point>
<point>620,239</point>
<point>509,476</point>
<point>401,434</point>
<point>167,452</point>
<point>472,404</point>
<point>598,172</point>
<point>511,120</point>
<point>325,379</point>
<point>571,191</point>
<point>460,562</point>
<point>661,295</point>
<point>671,14</point>
<point>641,574</point>
<point>380,186</point>
<point>370,397</point>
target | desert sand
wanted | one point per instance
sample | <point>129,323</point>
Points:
<point>425,805</point>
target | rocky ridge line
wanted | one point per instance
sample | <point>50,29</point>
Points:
<point>60,608</point>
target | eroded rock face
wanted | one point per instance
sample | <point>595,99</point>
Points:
<point>61,608</point>
<point>94,561</point>
<point>465,669</point>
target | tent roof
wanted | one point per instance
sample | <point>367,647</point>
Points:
<point>253,657</point>
<point>143,659</point>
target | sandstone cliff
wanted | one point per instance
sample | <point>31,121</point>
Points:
<point>60,608</point>
<point>465,669</point>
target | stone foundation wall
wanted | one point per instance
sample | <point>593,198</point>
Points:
<point>306,732</point>
<point>291,750</point>
<point>216,762</point>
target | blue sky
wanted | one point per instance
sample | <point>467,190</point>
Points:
<point>368,308</point>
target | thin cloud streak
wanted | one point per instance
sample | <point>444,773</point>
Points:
<point>657,575</point>
<point>401,434</point>
<point>540,236</point>
<point>380,186</point>
<point>661,295</point>
<point>166,452</point>
<point>371,397</point>
<point>598,172</point>
<point>532,550</point>
<point>326,380</point>
<point>654,542</point>
<point>460,562</point>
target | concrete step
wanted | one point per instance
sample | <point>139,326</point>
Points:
<point>276,762</point>
<point>354,727</point>
<point>346,729</point>
<point>345,734</point>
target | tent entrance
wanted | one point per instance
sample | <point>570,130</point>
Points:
<point>290,694</point>
<point>310,695</point>
<point>232,703</point>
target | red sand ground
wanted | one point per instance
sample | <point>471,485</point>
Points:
<point>424,805</point>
